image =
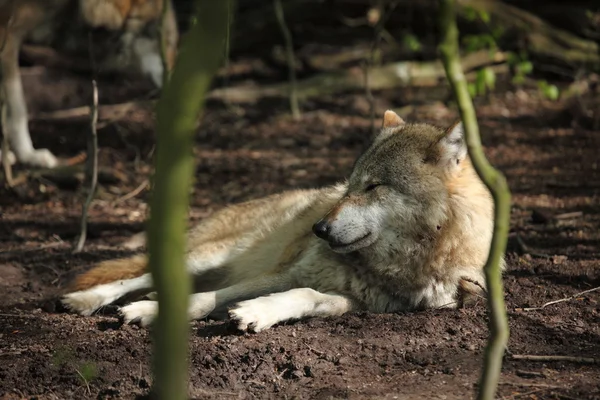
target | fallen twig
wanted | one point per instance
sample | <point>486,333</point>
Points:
<point>110,112</point>
<point>133,193</point>
<point>387,76</point>
<point>524,395</point>
<point>526,249</point>
<point>580,360</point>
<point>474,282</point>
<point>79,158</point>
<point>400,74</point>
<point>85,381</point>
<point>92,168</point>
<point>530,374</point>
<point>561,300</point>
<point>569,215</point>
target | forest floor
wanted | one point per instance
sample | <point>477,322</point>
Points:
<point>248,151</point>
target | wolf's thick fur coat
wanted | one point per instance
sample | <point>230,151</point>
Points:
<point>410,229</point>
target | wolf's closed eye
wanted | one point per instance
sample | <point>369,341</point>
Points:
<point>372,186</point>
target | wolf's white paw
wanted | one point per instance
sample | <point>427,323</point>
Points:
<point>255,315</point>
<point>84,302</point>
<point>151,296</point>
<point>40,158</point>
<point>141,312</point>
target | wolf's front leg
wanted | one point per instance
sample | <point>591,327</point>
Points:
<point>16,110</point>
<point>262,313</point>
<point>202,304</point>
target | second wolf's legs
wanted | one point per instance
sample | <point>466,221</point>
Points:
<point>17,128</point>
<point>202,304</point>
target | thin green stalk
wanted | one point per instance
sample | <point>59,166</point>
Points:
<point>496,182</point>
<point>180,104</point>
<point>164,41</point>
<point>289,52</point>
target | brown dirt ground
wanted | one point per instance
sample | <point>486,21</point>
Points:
<point>250,151</point>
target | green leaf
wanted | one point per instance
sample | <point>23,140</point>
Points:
<point>480,82</point>
<point>470,13</point>
<point>477,42</point>
<point>472,43</point>
<point>589,14</point>
<point>490,41</point>
<point>484,15</point>
<point>497,32</point>
<point>489,77</point>
<point>525,67</point>
<point>518,79</point>
<point>552,92</point>
<point>472,89</point>
<point>512,58</point>
<point>542,84</point>
<point>549,91</point>
<point>411,42</point>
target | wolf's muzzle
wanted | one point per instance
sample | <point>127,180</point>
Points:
<point>322,229</point>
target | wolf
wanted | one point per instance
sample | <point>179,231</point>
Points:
<point>409,229</point>
<point>129,27</point>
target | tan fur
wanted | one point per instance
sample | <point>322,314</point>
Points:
<point>464,238</point>
<point>110,271</point>
<point>410,229</point>
<point>110,14</point>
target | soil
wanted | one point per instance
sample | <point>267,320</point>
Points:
<point>249,151</point>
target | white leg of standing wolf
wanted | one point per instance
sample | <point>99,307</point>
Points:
<point>16,120</point>
<point>24,17</point>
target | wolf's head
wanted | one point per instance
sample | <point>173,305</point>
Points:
<point>399,188</point>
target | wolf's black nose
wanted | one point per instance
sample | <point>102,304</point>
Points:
<point>321,229</point>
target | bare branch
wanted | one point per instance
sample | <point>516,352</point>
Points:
<point>145,183</point>
<point>561,300</point>
<point>580,360</point>
<point>91,170</point>
<point>497,185</point>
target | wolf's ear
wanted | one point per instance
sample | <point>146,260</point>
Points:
<point>452,147</point>
<point>391,120</point>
